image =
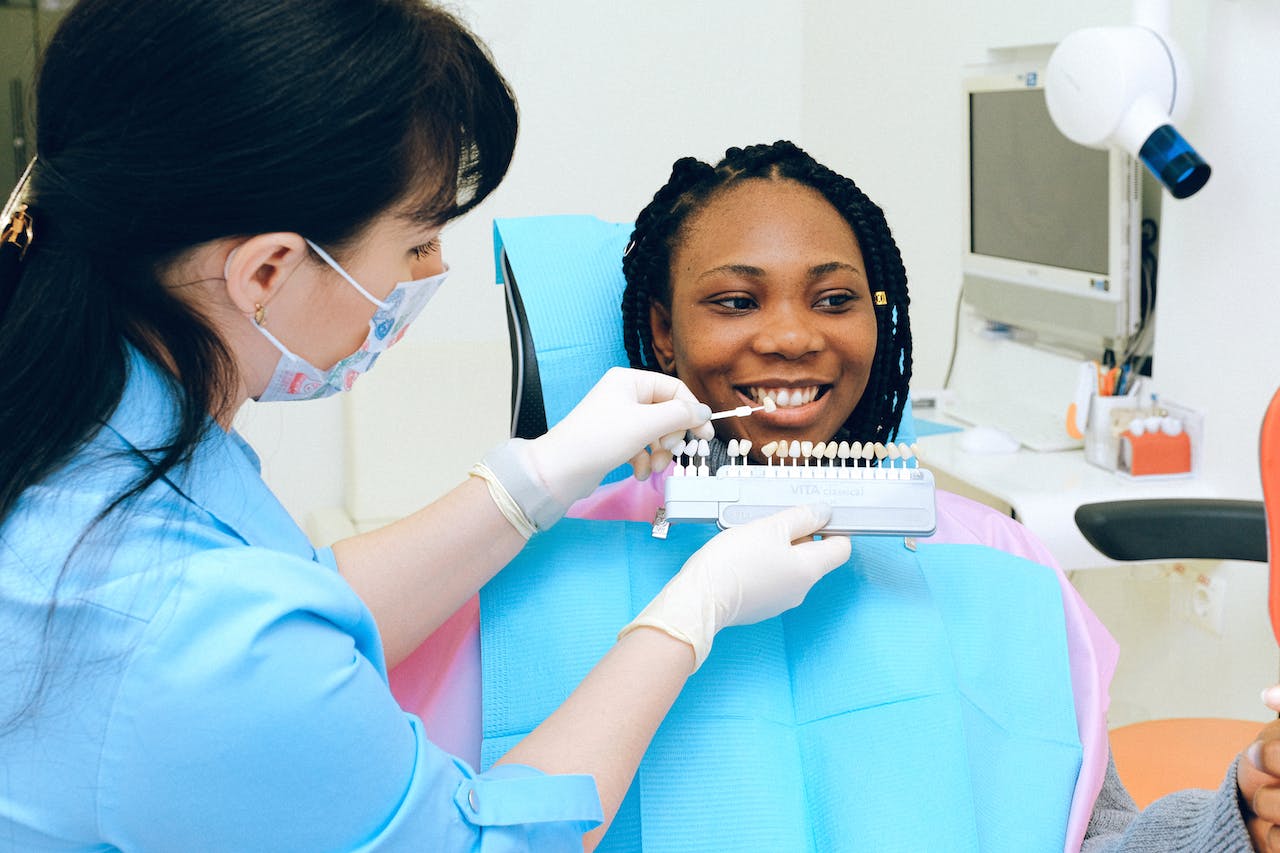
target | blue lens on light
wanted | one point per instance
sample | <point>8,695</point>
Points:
<point>1174,162</point>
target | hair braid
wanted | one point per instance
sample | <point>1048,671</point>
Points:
<point>659,228</point>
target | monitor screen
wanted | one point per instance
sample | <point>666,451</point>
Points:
<point>1035,196</point>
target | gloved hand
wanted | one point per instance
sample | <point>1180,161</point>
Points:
<point>630,415</point>
<point>744,575</point>
<point>626,413</point>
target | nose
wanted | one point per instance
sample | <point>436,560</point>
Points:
<point>789,332</point>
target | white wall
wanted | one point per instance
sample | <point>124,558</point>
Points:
<point>612,93</point>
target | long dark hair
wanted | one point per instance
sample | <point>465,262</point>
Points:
<point>659,229</point>
<point>164,124</point>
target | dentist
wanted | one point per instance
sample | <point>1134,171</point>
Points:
<point>235,200</point>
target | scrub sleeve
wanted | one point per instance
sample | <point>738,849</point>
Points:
<point>253,715</point>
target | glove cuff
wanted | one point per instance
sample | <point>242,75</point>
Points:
<point>509,462</point>
<point>681,618</point>
<point>699,654</point>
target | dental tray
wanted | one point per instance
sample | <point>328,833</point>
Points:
<point>894,498</point>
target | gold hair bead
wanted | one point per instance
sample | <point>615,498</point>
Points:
<point>19,230</point>
<point>881,298</point>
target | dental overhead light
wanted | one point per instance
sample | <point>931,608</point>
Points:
<point>1124,87</point>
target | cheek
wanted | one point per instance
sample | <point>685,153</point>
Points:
<point>702,359</point>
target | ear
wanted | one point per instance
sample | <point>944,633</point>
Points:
<point>257,268</point>
<point>660,331</point>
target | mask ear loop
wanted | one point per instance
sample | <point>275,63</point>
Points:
<point>340,271</point>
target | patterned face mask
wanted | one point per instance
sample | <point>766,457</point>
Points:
<point>295,378</point>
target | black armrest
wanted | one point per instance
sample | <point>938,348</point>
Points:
<point>1176,529</point>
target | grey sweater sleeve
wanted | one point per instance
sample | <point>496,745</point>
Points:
<point>1191,821</point>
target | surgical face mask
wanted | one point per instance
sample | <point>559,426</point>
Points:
<point>295,378</point>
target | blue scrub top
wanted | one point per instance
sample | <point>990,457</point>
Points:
<point>212,683</point>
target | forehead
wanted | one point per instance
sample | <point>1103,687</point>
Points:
<point>764,223</point>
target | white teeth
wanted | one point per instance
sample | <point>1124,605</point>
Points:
<point>784,397</point>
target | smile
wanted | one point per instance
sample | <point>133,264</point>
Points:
<point>785,398</point>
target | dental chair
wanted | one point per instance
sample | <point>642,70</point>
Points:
<point>563,281</point>
<point>1149,530</point>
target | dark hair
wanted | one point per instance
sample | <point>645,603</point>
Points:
<point>693,184</point>
<point>165,124</point>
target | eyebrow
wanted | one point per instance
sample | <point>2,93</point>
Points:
<point>748,271</point>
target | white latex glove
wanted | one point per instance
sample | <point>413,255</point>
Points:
<point>630,415</point>
<point>744,575</point>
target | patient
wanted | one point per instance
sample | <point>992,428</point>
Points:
<point>770,275</point>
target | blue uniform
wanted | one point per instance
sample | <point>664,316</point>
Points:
<point>212,683</point>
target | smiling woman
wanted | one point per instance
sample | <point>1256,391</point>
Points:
<point>769,298</point>
<point>771,275</point>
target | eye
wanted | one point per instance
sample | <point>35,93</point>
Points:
<point>733,302</point>
<point>836,301</point>
<point>426,250</point>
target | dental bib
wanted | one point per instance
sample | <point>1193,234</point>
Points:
<point>921,692</point>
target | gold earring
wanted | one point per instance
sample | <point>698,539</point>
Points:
<point>259,313</point>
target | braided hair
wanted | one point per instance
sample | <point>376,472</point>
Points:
<point>693,184</point>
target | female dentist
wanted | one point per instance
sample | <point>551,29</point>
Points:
<point>237,200</point>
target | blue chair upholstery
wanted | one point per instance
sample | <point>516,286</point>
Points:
<point>565,315</point>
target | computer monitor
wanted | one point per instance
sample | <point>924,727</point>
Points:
<point>1053,228</point>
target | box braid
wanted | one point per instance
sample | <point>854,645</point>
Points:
<point>658,231</point>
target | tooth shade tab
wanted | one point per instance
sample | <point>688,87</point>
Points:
<point>733,448</point>
<point>843,450</point>
<point>677,449</point>
<point>770,404</point>
<point>868,451</point>
<point>806,449</point>
<point>820,450</point>
<point>831,450</point>
<point>744,446</point>
<point>767,451</point>
<point>794,450</point>
<point>892,451</point>
<point>704,449</point>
